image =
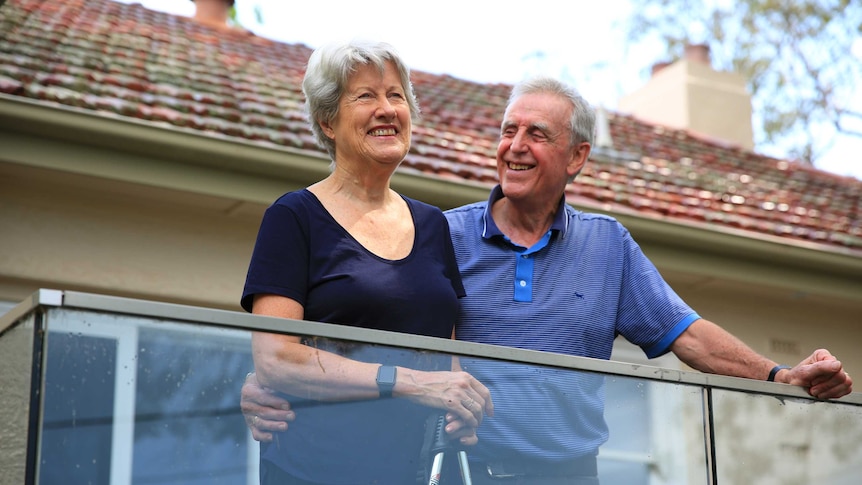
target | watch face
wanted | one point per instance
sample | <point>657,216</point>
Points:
<point>386,375</point>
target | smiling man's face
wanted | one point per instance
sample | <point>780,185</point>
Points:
<point>534,156</point>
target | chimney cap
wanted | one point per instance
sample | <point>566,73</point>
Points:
<point>698,53</point>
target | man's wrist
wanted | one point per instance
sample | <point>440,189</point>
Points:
<point>775,370</point>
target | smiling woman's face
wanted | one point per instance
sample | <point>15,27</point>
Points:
<point>373,124</point>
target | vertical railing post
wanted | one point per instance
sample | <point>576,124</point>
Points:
<point>709,437</point>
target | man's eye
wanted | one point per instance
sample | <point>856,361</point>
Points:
<point>538,135</point>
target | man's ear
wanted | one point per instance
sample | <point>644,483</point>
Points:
<point>580,155</point>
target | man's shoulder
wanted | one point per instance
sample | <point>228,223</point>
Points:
<point>595,223</point>
<point>589,216</point>
<point>459,213</point>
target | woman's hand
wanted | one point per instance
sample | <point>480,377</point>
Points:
<point>465,399</point>
<point>265,412</point>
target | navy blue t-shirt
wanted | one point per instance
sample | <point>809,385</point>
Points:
<point>304,254</point>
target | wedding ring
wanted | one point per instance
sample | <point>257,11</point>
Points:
<point>254,420</point>
<point>468,404</point>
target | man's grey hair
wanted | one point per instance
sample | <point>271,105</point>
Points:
<point>582,125</point>
<point>328,72</point>
<point>583,121</point>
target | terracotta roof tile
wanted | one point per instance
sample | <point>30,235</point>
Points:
<point>124,60</point>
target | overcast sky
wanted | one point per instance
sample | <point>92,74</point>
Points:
<point>489,41</point>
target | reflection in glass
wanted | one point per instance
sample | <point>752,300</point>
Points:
<point>78,412</point>
<point>188,427</point>
<point>136,401</point>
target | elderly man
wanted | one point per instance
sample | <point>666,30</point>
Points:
<point>541,275</point>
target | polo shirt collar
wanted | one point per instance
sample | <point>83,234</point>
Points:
<point>490,229</point>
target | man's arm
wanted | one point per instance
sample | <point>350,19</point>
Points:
<point>709,348</point>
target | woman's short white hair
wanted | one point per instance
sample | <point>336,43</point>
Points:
<point>329,69</point>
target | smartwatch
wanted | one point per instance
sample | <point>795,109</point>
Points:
<point>386,380</point>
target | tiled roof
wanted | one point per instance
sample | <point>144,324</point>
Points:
<point>125,60</point>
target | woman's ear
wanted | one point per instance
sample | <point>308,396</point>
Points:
<point>327,129</point>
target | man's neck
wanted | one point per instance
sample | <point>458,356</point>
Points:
<point>523,225</point>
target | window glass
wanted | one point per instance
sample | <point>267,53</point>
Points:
<point>188,426</point>
<point>132,401</point>
<point>78,411</point>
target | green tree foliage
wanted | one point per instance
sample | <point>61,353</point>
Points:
<point>802,60</point>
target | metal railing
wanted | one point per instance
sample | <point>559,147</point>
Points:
<point>100,389</point>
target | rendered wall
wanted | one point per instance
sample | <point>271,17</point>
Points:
<point>16,347</point>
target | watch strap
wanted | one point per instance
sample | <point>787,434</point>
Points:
<point>775,371</point>
<point>386,380</point>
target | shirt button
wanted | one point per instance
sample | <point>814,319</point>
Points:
<point>523,283</point>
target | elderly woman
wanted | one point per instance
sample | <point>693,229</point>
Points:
<point>350,250</point>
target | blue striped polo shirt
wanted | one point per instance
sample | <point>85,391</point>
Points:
<point>573,292</point>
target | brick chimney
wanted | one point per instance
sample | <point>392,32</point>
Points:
<point>689,94</point>
<point>214,13</point>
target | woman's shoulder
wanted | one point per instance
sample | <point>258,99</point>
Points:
<point>294,197</point>
<point>299,205</point>
<point>423,209</point>
<point>300,201</point>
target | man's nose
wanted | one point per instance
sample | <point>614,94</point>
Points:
<point>519,142</point>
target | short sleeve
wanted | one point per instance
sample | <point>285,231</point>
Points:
<point>279,262</point>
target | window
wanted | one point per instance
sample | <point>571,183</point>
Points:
<point>147,403</point>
